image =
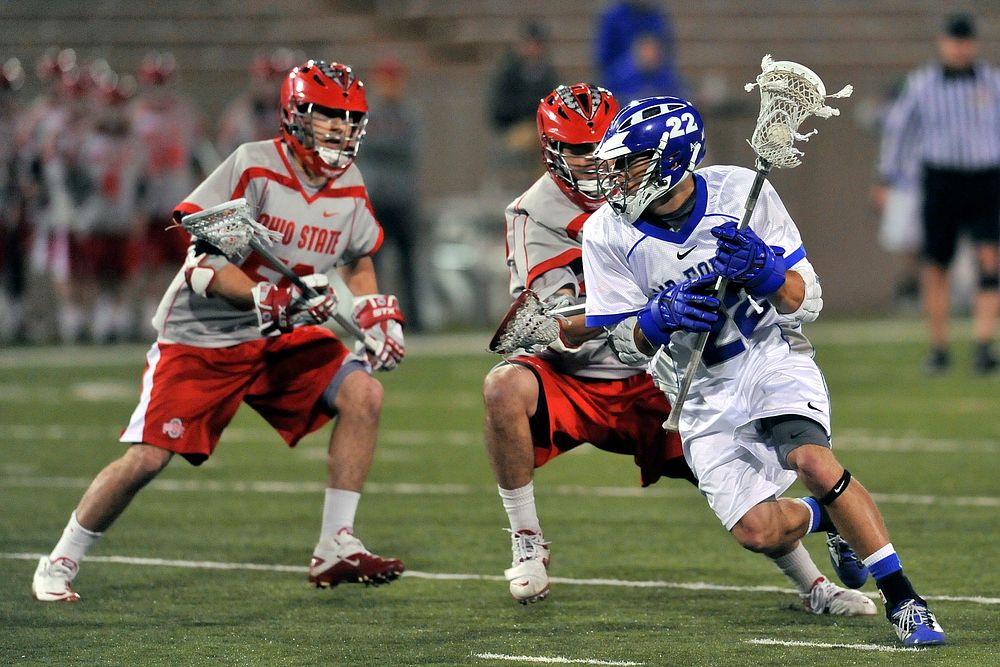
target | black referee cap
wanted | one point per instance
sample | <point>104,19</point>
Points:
<point>960,26</point>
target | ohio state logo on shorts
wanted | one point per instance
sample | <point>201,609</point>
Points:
<point>174,428</point>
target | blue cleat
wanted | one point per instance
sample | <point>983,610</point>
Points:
<point>915,624</point>
<point>851,571</point>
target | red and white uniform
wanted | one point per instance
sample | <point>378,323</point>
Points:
<point>114,163</point>
<point>171,130</point>
<point>587,395</point>
<point>210,355</point>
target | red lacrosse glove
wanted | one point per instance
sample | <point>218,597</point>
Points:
<point>379,317</point>
<point>280,309</point>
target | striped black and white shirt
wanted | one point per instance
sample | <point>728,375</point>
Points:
<point>954,119</point>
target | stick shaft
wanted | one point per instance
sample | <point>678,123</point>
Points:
<point>282,268</point>
<point>673,421</point>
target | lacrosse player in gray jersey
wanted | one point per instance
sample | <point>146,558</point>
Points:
<point>232,331</point>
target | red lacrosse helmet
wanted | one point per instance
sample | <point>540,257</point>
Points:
<point>571,121</point>
<point>331,90</point>
<point>157,69</point>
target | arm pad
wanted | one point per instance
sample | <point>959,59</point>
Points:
<point>812,302</point>
<point>621,339</point>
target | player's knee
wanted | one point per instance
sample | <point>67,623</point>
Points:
<point>362,395</point>
<point>146,461</point>
<point>509,388</point>
<point>816,467</point>
<point>757,538</point>
<point>759,530</point>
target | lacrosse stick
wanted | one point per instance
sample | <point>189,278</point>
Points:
<point>231,228</point>
<point>524,326</point>
<point>789,93</point>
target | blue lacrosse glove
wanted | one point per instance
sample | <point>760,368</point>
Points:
<point>744,258</point>
<point>686,306</point>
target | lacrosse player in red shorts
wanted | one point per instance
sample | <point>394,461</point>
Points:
<point>232,330</point>
<point>587,385</point>
<point>541,404</point>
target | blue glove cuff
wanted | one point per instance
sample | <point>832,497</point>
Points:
<point>656,330</point>
<point>773,279</point>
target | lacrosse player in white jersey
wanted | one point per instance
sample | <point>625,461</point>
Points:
<point>549,401</point>
<point>235,331</point>
<point>758,411</point>
<point>539,405</point>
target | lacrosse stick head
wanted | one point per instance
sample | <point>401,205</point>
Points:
<point>789,93</point>
<point>525,326</point>
<point>229,227</point>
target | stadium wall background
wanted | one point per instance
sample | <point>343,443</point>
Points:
<point>451,47</point>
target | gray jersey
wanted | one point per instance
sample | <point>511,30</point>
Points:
<point>321,228</point>
<point>544,247</point>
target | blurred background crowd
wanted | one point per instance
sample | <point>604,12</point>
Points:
<point>111,112</point>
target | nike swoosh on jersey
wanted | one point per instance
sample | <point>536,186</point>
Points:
<point>682,255</point>
<point>812,407</point>
<point>328,214</point>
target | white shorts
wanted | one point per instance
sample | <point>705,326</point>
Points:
<point>736,468</point>
<point>901,229</point>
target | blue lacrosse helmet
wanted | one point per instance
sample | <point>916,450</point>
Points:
<point>652,145</point>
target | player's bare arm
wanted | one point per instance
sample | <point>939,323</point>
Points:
<point>790,295</point>
<point>359,276</point>
<point>233,286</point>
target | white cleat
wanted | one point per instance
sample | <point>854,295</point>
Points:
<point>528,574</point>
<point>828,598</point>
<point>51,582</point>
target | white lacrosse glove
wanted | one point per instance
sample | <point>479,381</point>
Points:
<point>281,309</point>
<point>555,302</point>
<point>380,318</point>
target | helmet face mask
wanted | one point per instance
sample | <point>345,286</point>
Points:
<point>571,122</point>
<point>324,115</point>
<point>651,147</point>
<point>334,134</point>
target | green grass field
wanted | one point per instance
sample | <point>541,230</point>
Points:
<point>227,545</point>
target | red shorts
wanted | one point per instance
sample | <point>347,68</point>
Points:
<point>621,416</point>
<point>190,394</point>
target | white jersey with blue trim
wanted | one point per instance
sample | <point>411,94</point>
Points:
<point>626,265</point>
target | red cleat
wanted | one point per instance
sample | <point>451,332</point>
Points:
<point>344,559</point>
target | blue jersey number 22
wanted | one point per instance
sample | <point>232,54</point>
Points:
<point>744,316</point>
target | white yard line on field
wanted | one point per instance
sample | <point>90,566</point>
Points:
<point>13,480</point>
<point>856,647</point>
<point>445,576</point>
<point>848,439</point>
<point>554,660</point>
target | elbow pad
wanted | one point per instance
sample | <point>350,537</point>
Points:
<point>812,302</point>
<point>621,340</point>
<point>200,268</point>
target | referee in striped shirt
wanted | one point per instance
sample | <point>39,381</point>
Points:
<point>951,111</point>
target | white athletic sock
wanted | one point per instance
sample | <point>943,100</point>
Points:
<point>520,507</point>
<point>799,567</point>
<point>339,509</point>
<point>74,542</point>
